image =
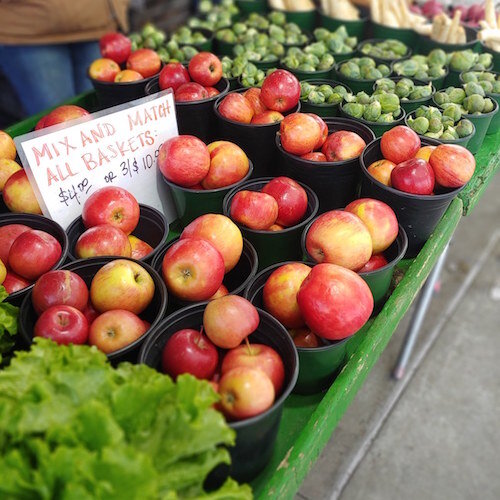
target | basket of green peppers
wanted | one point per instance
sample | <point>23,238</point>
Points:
<point>443,125</point>
<point>384,51</point>
<point>490,81</point>
<point>380,111</point>
<point>466,60</point>
<point>253,76</point>
<point>322,97</point>
<point>360,73</point>
<point>430,68</point>
<point>260,49</point>
<point>411,93</point>
<point>199,38</point>
<point>311,61</point>
<point>337,42</point>
<point>469,101</point>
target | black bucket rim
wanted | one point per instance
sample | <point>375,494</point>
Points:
<point>494,111</point>
<point>409,51</point>
<point>395,123</point>
<point>278,402</point>
<point>327,164</point>
<point>93,261</point>
<point>424,197</point>
<point>423,83</point>
<point>150,256</point>
<point>362,80</point>
<point>311,195</point>
<point>324,81</point>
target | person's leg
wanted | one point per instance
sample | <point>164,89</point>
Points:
<point>82,55</point>
<point>40,74</point>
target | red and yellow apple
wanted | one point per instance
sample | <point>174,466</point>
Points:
<point>376,262</point>
<point>104,70</point>
<point>115,46</point>
<point>424,153</point>
<point>7,146</point>
<point>8,234</point>
<point>64,113</point>
<point>205,68</point>
<point>13,283</point>
<point>7,168</point>
<point>252,95</point>
<point>323,127</point>
<point>145,61</point>
<point>343,145</point>
<point>381,170</point>
<point>254,209</point>
<point>453,165</point>
<point>62,324</point>
<point>414,176</point>
<point>128,75</point>
<point>190,92</point>
<point>300,133</point>
<point>139,248</point>
<point>102,240</point>
<point>314,156</point>
<point>18,195</point>
<point>399,144</point>
<point>236,108</point>
<point>267,117</point>
<point>280,91</point>
<point>173,75</point>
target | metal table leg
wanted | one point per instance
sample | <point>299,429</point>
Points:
<point>418,317</point>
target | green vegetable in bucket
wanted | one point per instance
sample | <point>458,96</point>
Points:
<point>389,102</point>
<point>385,84</point>
<point>473,88</point>
<point>420,125</point>
<point>335,42</point>
<point>363,68</point>
<point>453,111</point>
<point>372,111</point>
<point>422,67</point>
<point>386,118</point>
<point>465,60</point>
<point>307,61</point>
<point>464,128</point>
<point>385,49</point>
<point>354,109</point>
<point>321,94</point>
<point>437,57</point>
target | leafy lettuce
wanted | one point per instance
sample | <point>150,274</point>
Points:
<point>8,324</point>
<point>73,427</point>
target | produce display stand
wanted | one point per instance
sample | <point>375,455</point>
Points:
<point>308,421</point>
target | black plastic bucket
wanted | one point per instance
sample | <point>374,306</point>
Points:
<point>318,366</point>
<point>235,280</point>
<point>152,228</point>
<point>41,223</point>
<point>256,140</point>
<point>87,269</point>
<point>417,214</point>
<point>335,184</point>
<point>275,246</point>
<point>195,118</point>
<point>256,436</point>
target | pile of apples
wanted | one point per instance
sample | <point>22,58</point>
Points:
<point>280,93</point>
<point>326,302</point>
<point>354,238</point>
<point>188,162</point>
<point>106,316</point>
<point>116,51</point>
<point>306,135</point>
<point>25,254</point>
<point>250,376</point>
<point>110,215</point>
<point>282,203</point>
<point>194,267</point>
<point>413,169</point>
<point>195,83</point>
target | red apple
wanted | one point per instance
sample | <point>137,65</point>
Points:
<point>453,165</point>
<point>13,283</point>
<point>341,238</point>
<point>128,75</point>
<point>63,114</point>
<point>381,170</point>
<point>221,232</point>
<point>116,329</point>
<point>122,284</point>
<point>245,392</point>
<point>323,127</point>
<point>193,269</point>
<point>62,324</point>
<point>221,292</point>
<point>413,176</point>
<point>380,220</point>
<point>33,253</point>
<point>280,91</point>
<point>18,195</point>
<point>103,240</point>
<point>376,262</point>
<point>212,91</point>
<point>173,75</point>
<point>191,91</point>
<point>228,165</point>
<point>260,357</point>
<point>8,234</point>
<point>252,95</point>
<point>115,46</point>
<point>267,117</point>
<point>90,313</point>
<point>139,248</point>
<point>235,107</point>
<point>276,227</point>
<point>104,70</point>
<point>184,160</point>
<point>7,168</point>
<point>303,337</point>
<point>205,68</point>
<point>145,61</point>
<point>111,205</point>
<point>40,123</point>
<point>314,156</point>
<point>254,209</point>
<point>399,144</point>
<point>7,146</point>
<point>230,319</point>
<point>57,288</point>
<point>280,293</point>
<point>335,302</point>
<point>291,198</point>
<point>299,133</point>
<point>189,351</point>
<point>343,145</point>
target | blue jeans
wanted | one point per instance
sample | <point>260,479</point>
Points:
<point>45,75</point>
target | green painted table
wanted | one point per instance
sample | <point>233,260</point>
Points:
<point>309,421</point>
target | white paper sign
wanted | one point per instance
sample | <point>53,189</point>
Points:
<point>115,147</point>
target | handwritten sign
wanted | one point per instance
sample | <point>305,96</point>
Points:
<point>66,163</point>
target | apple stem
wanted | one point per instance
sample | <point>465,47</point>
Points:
<point>247,342</point>
<point>201,334</point>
